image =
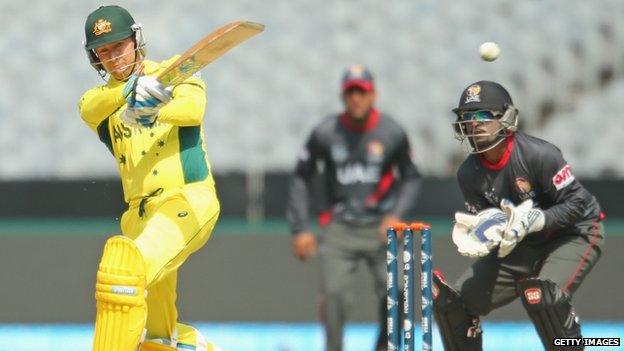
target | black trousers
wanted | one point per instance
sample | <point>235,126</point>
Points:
<point>565,259</point>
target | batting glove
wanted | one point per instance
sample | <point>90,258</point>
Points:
<point>145,92</point>
<point>523,220</point>
<point>138,118</point>
<point>150,92</point>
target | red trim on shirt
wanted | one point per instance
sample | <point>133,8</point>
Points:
<point>386,181</point>
<point>503,160</point>
<point>371,123</point>
<point>584,258</point>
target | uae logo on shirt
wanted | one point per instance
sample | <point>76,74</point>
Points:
<point>524,188</point>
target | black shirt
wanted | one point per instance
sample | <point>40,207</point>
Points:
<point>361,166</point>
<point>531,168</point>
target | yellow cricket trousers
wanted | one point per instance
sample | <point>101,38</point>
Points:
<point>167,227</point>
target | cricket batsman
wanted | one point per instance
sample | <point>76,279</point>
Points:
<point>535,231</point>
<point>371,183</point>
<point>155,134</point>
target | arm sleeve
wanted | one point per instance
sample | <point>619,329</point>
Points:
<point>409,179</point>
<point>187,105</point>
<point>565,192</point>
<point>99,103</point>
<point>298,207</point>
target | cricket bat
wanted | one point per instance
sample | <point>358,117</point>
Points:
<point>208,49</point>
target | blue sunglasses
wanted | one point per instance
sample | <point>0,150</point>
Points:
<point>479,116</point>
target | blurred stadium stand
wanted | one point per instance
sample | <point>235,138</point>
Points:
<point>562,60</point>
<point>592,133</point>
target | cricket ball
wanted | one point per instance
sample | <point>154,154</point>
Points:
<point>489,51</point>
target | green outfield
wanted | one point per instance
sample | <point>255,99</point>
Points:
<point>240,258</point>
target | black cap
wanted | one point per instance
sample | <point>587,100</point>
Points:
<point>484,95</point>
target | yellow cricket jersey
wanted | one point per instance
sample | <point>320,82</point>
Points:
<point>167,155</point>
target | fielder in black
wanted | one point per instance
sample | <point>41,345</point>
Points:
<point>535,229</point>
<point>370,182</point>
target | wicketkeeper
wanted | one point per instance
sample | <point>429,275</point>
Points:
<point>535,231</point>
<point>155,134</point>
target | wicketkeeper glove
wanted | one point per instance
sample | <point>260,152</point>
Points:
<point>476,235</point>
<point>522,220</point>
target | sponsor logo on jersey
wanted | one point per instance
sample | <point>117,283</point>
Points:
<point>533,295</point>
<point>101,26</point>
<point>472,93</point>
<point>357,173</point>
<point>375,151</point>
<point>563,178</point>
